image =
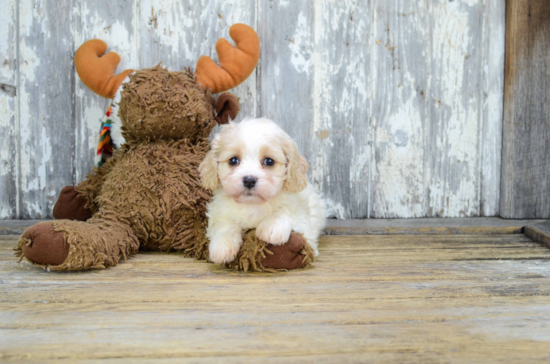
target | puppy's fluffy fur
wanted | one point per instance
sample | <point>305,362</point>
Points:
<point>280,201</point>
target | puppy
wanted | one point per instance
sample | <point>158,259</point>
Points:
<point>259,181</point>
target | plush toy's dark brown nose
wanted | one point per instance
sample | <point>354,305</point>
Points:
<point>249,182</point>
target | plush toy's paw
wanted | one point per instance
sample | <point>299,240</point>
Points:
<point>258,256</point>
<point>71,206</point>
<point>223,248</point>
<point>288,256</point>
<point>44,245</point>
<point>274,231</point>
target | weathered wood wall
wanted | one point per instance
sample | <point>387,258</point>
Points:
<point>397,104</point>
<point>526,129</point>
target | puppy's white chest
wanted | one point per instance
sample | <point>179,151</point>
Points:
<point>252,215</point>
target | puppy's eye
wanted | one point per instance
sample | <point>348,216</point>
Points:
<point>269,162</point>
<point>234,161</point>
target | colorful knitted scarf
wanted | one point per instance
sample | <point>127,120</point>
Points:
<point>105,146</point>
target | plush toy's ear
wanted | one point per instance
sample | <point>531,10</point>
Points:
<point>227,106</point>
<point>97,70</point>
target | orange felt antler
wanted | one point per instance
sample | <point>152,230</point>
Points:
<point>236,63</point>
<point>97,71</point>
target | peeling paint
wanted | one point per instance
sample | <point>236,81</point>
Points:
<point>435,170</point>
<point>8,111</point>
<point>397,104</point>
<point>301,54</point>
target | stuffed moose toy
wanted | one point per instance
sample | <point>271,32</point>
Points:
<point>148,196</point>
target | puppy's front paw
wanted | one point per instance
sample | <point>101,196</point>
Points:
<point>274,232</point>
<point>224,249</point>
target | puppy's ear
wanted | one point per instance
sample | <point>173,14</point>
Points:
<point>227,106</point>
<point>208,169</point>
<point>296,169</point>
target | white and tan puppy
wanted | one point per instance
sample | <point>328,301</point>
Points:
<point>259,181</point>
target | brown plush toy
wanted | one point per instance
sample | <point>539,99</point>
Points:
<point>148,196</point>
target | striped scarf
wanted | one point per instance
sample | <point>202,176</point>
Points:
<point>105,146</point>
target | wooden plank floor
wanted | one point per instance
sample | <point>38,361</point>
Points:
<point>369,298</point>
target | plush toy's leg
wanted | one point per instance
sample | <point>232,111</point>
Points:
<point>73,245</point>
<point>257,255</point>
<point>71,205</point>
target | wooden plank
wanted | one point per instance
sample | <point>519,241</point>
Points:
<point>179,32</point>
<point>492,104</point>
<point>526,128</point>
<point>145,269</point>
<point>287,66</point>
<point>16,227</point>
<point>51,310</point>
<point>403,258</point>
<point>539,233</point>
<point>23,224</point>
<point>114,22</point>
<point>326,80</point>
<point>339,140</point>
<point>379,259</point>
<point>435,77</point>
<point>401,110</point>
<point>375,341</point>
<point>418,307</point>
<point>8,110</point>
<point>363,355</point>
<point>46,115</point>
<point>437,226</point>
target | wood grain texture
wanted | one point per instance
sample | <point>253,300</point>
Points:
<point>427,226</point>
<point>492,100</point>
<point>539,232</point>
<point>435,74</point>
<point>342,90</point>
<point>46,131</point>
<point>526,129</point>
<point>145,33</point>
<point>422,298</point>
<point>287,31</point>
<point>179,32</point>
<point>411,129</point>
<point>114,22</point>
<point>396,104</point>
<point>8,110</point>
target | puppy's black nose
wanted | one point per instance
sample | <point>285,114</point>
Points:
<point>249,182</point>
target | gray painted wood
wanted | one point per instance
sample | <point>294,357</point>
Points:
<point>113,22</point>
<point>429,226</point>
<point>526,130</point>
<point>435,71</point>
<point>539,232</point>
<point>492,54</point>
<point>8,110</point>
<point>425,226</point>
<point>340,150</point>
<point>286,30</point>
<point>406,100</point>
<point>46,127</point>
<point>396,104</point>
<point>537,229</point>
<point>179,32</point>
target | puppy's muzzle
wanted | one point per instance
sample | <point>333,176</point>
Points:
<point>249,182</point>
